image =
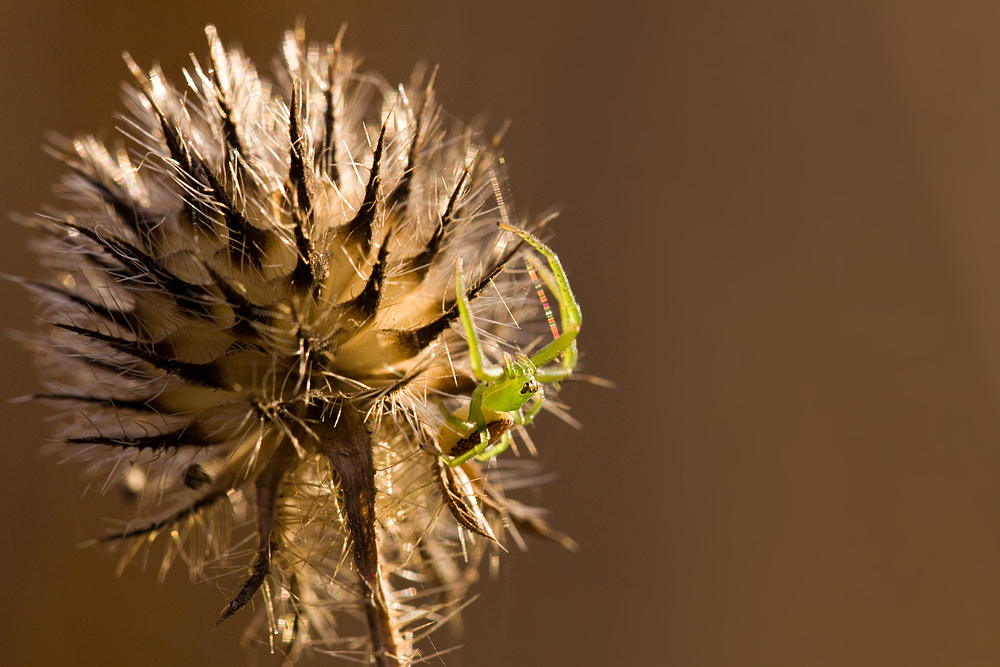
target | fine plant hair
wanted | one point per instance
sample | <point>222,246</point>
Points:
<point>252,332</point>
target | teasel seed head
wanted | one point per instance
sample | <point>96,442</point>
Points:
<point>253,331</point>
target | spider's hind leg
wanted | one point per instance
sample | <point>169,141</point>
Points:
<point>570,315</point>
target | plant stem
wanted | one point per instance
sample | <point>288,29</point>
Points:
<point>345,441</point>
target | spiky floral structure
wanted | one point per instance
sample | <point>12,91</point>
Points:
<point>254,332</point>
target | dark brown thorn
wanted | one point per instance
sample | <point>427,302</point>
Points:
<point>105,365</point>
<point>115,403</point>
<point>234,162</point>
<point>194,298</point>
<point>401,193</point>
<point>360,228</point>
<point>303,276</point>
<point>246,242</point>
<point>415,340</point>
<point>229,131</point>
<point>179,152</point>
<point>365,305</point>
<point>422,262</point>
<point>198,504</point>
<point>326,158</point>
<point>295,596</point>
<point>306,274</point>
<point>297,174</point>
<point>198,181</point>
<point>118,317</point>
<point>253,583</point>
<point>246,312</point>
<point>186,436</point>
<point>267,485</point>
<point>207,375</point>
<point>449,210</point>
<point>347,444</point>
<point>132,215</point>
<point>188,169</point>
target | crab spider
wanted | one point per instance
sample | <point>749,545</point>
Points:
<point>482,428</point>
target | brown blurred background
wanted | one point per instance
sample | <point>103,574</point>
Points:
<point>782,220</point>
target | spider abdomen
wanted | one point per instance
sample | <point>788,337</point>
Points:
<point>454,442</point>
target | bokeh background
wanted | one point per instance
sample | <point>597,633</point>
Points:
<point>782,220</point>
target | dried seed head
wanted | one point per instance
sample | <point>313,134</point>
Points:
<point>254,331</point>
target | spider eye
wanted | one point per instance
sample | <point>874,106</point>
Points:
<point>530,387</point>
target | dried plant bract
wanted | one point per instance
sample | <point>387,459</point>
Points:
<point>291,320</point>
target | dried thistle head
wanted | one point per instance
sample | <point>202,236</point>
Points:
<point>256,335</point>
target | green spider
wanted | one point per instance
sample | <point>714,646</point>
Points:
<point>481,430</point>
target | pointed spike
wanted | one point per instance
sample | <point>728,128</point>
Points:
<point>186,436</point>
<point>365,305</point>
<point>415,340</point>
<point>191,297</point>
<point>422,262</point>
<point>188,170</point>
<point>307,274</point>
<point>198,504</point>
<point>115,403</point>
<point>268,486</point>
<point>401,193</point>
<point>326,158</point>
<point>207,375</point>
<point>360,228</point>
<point>246,242</point>
<point>261,568</point>
<point>130,212</point>
<point>117,317</point>
<point>297,174</point>
<point>222,90</point>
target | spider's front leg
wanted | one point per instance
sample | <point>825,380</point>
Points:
<point>470,433</point>
<point>570,316</point>
<point>482,371</point>
<point>525,417</point>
